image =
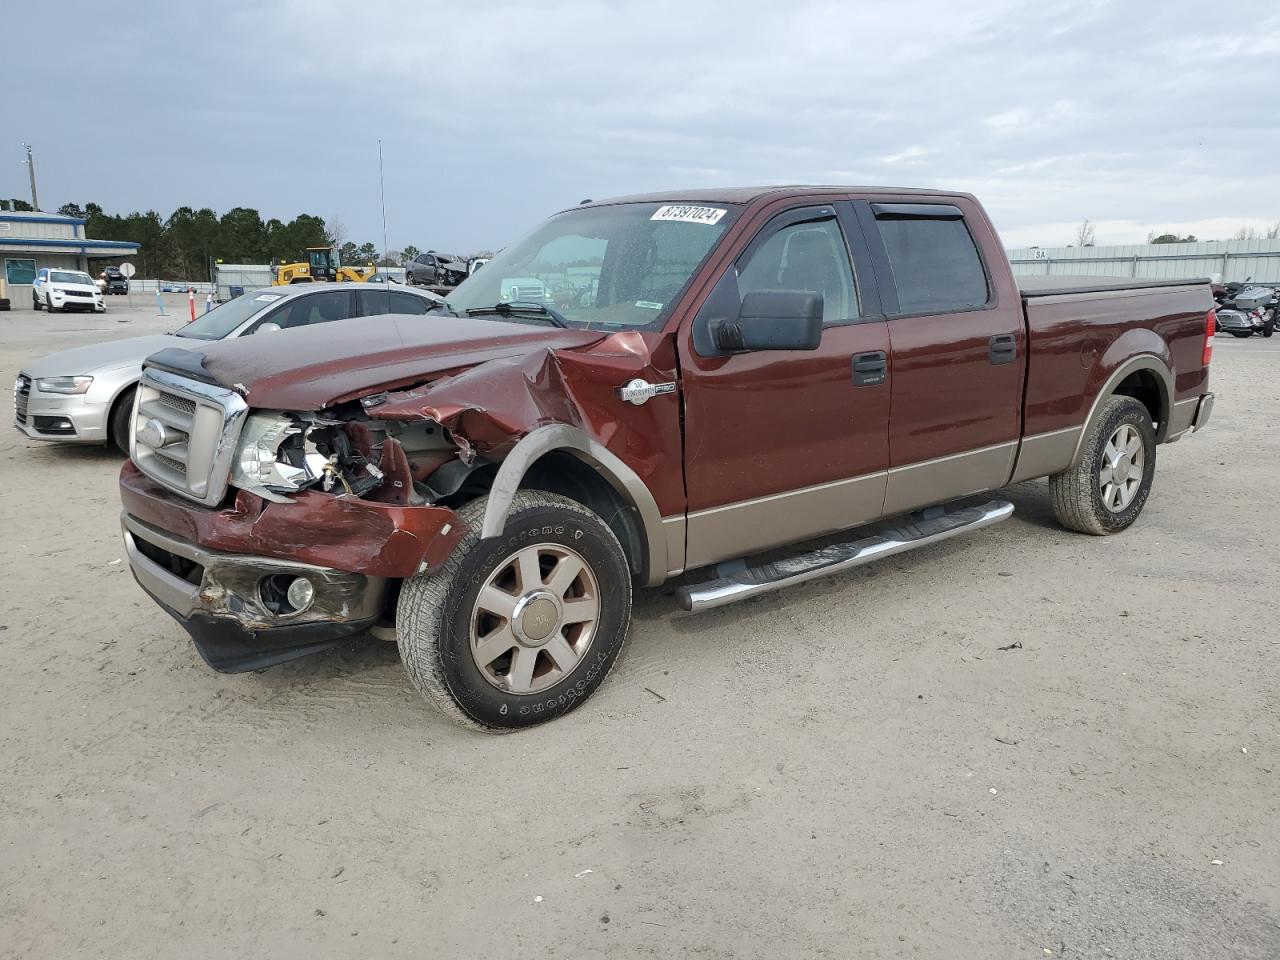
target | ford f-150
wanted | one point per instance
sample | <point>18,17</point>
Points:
<point>764,385</point>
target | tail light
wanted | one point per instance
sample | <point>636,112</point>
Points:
<point>1210,325</point>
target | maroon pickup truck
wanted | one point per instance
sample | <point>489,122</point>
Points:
<point>719,381</point>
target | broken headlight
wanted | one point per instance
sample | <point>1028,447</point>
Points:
<point>281,454</point>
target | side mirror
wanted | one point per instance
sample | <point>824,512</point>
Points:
<point>773,320</point>
<point>268,327</point>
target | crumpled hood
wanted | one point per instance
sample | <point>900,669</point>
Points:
<point>85,361</point>
<point>314,367</point>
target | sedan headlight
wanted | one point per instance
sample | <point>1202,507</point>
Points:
<point>64,384</point>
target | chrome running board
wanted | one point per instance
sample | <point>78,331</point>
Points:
<point>735,580</point>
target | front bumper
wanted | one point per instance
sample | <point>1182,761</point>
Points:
<point>89,304</point>
<point>65,418</point>
<point>206,566</point>
<point>218,599</point>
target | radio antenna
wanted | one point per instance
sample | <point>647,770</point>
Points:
<point>382,191</point>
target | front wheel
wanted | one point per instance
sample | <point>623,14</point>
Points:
<point>1106,488</point>
<point>521,628</point>
<point>1241,334</point>
<point>35,303</point>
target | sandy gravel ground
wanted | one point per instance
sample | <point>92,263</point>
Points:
<point>852,768</point>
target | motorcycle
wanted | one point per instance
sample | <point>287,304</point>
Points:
<point>1247,308</point>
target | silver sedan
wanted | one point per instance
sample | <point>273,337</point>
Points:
<point>85,395</point>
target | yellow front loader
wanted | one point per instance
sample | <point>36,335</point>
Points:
<point>322,264</point>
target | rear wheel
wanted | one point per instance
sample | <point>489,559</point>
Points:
<point>1106,488</point>
<point>520,628</point>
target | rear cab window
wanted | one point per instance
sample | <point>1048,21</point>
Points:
<point>935,261</point>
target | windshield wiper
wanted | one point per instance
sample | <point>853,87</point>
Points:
<point>508,307</point>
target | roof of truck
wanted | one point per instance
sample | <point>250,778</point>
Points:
<point>747,194</point>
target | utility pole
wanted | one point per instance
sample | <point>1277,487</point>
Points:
<point>31,169</point>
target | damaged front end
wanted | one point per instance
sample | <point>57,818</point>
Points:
<point>349,455</point>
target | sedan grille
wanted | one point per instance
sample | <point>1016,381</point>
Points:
<point>21,397</point>
<point>184,434</point>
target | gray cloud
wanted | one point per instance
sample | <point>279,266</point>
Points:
<point>1136,115</point>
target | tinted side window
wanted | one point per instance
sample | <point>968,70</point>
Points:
<point>408,303</point>
<point>805,256</point>
<point>314,308</point>
<point>935,264</point>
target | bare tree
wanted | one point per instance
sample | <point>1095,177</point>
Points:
<point>1084,234</point>
<point>1246,233</point>
<point>335,231</point>
<point>1273,231</point>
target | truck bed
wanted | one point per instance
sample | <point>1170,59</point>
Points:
<point>1057,286</point>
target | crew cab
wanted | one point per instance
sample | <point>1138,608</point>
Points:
<point>720,379</point>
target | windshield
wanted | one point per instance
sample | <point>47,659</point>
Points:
<point>611,267</point>
<point>67,276</point>
<point>226,317</point>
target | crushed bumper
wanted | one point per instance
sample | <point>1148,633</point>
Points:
<point>209,568</point>
<point>341,533</point>
<point>218,598</point>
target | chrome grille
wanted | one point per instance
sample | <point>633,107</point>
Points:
<point>175,402</point>
<point>21,397</point>
<point>184,434</point>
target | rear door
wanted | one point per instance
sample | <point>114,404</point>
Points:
<point>781,446</point>
<point>379,300</point>
<point>958,352</point>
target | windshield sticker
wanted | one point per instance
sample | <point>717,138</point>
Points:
<point>648,305</point>
<point>267,297</point>
<point>681,213</point>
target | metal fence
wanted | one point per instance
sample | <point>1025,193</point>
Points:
<point>1258,260</point>
<point>232,277</point>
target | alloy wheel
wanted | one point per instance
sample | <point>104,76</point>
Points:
<point>1123,464</point>
<point>534,618</point>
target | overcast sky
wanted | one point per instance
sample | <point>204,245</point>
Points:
<point>1139,116</point>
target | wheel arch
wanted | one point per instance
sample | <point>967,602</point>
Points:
<point>560,458</point>
<point>1148,380</point>
<point>129,386</point>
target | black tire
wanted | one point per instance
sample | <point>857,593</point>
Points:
<point>408,279</point>
<point>35,303</point>
<point>118,423</point>
<point>48,305</point>
<point>1241,334</point>
<point>1077,491</point>
<point>434,615</point>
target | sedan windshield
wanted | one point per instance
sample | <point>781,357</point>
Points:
<point>613,267</point>
<point>67,276</point>
<point>226,317</point>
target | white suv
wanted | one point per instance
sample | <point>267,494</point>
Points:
<point>66,290</point>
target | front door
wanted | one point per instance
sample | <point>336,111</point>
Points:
<point>782,446</point>
<point>958,354</point>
